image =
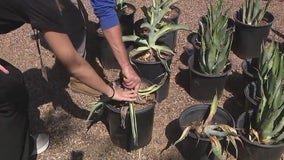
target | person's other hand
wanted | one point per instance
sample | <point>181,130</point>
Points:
<point>124,94</point>
<point>3,69</point>
<point>130,79</point>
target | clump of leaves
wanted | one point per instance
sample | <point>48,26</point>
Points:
<point>216,40</point>
<point>215,133</point>
<point>252,11</point>
<point>156,28</point>
<point>269,122</point>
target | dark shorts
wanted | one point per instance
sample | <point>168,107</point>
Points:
<point>44,15</point>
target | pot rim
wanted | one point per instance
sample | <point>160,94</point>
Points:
<point>268,15</point>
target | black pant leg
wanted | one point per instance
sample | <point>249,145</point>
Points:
<point>14,123</point>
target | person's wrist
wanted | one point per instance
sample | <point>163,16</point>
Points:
<point>112,93</point>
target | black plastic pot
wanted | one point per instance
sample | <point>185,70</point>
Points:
<point>252,94</point>
<point>168,39</point>
<point>248,38</point>
<point>255,151</point>
<point>193,148</point>
<point>155,72</point>
<point>203,86</point>
<point>123,137</point>
<point>249,68</point>
<point>106,56</point>
<point>127,20</point>
<point>174,19</point>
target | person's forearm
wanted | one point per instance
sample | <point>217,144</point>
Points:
<point>76,65</point>
<point>114,37</point>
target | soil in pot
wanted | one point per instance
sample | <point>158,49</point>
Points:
<point>121,135</point>
<point>254,151</point>
<point>193,148</point>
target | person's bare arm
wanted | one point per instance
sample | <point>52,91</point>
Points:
<point>114,37</point>
<point>80,68</point>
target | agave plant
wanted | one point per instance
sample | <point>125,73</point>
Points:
<point>269,122</point>
<point>120,5</point>
<point>216,40</point>
<point>98,108</point>
<point>215,132</point>
<point>252,11</point>
<point>156,28</point>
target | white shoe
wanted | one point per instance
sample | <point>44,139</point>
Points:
<point>41,143</point>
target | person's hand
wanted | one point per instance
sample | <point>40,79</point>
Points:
<point>124,94</point>
<point>130,79</point>
<point>3,69</point>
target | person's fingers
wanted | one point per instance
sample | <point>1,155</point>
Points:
<point>4,70</point>
<point>125,94</point>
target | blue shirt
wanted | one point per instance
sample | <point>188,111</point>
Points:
<point>105,11</point>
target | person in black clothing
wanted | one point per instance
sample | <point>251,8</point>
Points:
<point>47,17</point>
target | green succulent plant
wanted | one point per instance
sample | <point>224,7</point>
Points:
<point>269,123</point>
<point>98,109</point>
<point>215,132</point>
<point>215,40</point>
<point>120,5</point>
<point>252,11</point>
<point>156,28</point>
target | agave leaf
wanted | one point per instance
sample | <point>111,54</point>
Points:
<point>184,134</point>
<point>133,124</point>
<point>216,146</point>
<point>213,109</point>
<point>153,88</point>
<point>123,113</point>
<point>166,29</point>
<point>96,106</point>
<point>138,51</point>
<point>134,38</point>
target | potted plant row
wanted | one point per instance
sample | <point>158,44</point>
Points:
<point>262,127</point>
<point>209,66</point>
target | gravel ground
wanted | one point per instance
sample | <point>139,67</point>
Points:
<point>56,110</point>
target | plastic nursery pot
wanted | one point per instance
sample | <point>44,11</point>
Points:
<point>248,38</point>
<point>122,137</point>
<point>126,19</point>
<point>255,151</point>
<point>204,86</point>
<point>193,148</point>
<point>252,94</point>
<point>169,39</point>
<point>155,72</point>
<point>249,68</point>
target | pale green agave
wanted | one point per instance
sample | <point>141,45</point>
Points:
<point>98,107</point>
<point>214,132</point>
<point>216,40</point>
<point>270,116</point>
<point>156,28</point>
<point>252,11</point>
